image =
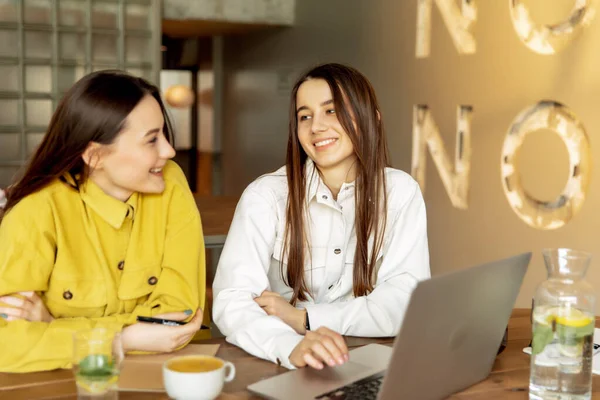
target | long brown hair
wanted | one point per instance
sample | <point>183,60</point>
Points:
<point>358,112</point>
<point>93,110</point>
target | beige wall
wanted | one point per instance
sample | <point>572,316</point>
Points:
<point>499,81</point>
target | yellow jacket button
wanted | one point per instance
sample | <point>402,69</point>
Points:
<point>121,265</point>
<point>67,295</point>
<point>152,280</point>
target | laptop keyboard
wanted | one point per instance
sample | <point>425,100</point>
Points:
<point>365,389</point>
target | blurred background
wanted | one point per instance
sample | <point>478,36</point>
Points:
<point>226,69</point>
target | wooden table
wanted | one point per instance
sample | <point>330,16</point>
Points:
<point>509,378</point>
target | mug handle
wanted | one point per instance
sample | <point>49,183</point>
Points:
<point>231,374</point>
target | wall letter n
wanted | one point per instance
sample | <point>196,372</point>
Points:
<point>458,21</point>
<point>426,134</point>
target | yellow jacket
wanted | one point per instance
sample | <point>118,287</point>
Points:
<point>97,262</point>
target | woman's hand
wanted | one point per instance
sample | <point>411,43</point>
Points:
<point>161,338</point>
<point>276,305</point>
<point>27,305</point>
<point>319,347</point>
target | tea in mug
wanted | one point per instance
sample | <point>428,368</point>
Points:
<point>195,364</point>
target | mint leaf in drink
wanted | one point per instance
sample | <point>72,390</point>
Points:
<point>96,365</point>
<point>542,336</point>
<point>567,333</point>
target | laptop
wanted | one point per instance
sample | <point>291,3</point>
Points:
<point>449,339</point>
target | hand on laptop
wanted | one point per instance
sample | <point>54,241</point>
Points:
<point>24,305</point>
<point>274,304</point>
<point>319,347</point>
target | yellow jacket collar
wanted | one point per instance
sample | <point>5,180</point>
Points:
<point>110,209</point>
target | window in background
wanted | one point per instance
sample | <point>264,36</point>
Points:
<point>47,45</point>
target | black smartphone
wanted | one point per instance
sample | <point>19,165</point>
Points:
<point>162,321</point>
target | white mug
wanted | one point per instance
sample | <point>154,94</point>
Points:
<point>192,385</point>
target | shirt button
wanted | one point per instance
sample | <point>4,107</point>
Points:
<point>152,280</point>
<point>330,287</point>
<point>324,197</point>
<point>337,251</point>
<point>67,295</point>
<point>121,265</point>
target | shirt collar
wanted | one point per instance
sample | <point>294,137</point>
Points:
<point>113,211</point>
<point>315,185</point>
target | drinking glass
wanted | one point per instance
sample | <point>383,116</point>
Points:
<point>98,354</point>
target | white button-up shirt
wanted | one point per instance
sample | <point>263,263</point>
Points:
<point>252,255</point>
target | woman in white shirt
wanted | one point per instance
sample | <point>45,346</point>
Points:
<point>331,244</point>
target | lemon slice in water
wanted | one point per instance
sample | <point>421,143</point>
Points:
<point>573,317</point>
<point>567,316</point>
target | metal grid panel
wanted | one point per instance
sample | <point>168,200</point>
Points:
<point>47,45</point>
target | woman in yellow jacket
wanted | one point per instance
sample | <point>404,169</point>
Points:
<point>101,228</point>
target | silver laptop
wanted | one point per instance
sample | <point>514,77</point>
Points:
<point>448,341</point>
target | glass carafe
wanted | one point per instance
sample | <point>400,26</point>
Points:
<point>563,329</point>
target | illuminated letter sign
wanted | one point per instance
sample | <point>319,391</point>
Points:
<point>458,21</point>
<point>548,39</point>
<point>426,134</point>
<point>539,214</point>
